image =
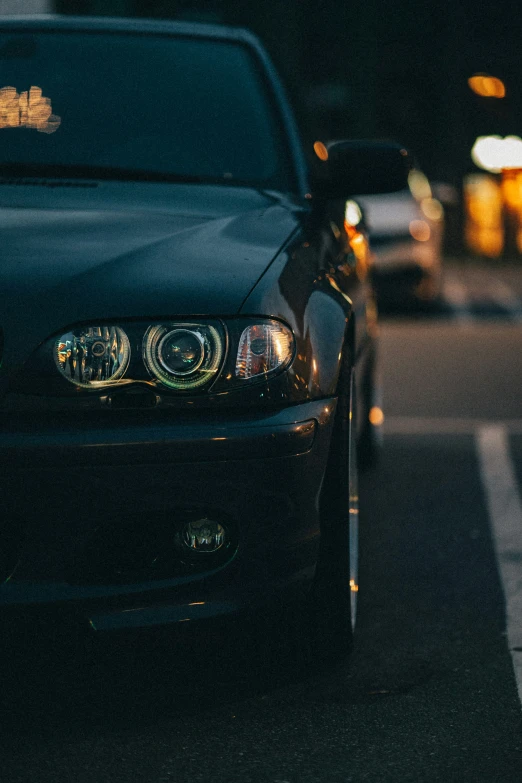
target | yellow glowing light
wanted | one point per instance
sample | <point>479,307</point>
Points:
<point>334,285</point>
<point>419,185</point>
<point>321,151</point>
<point>420,230</point>
<point>281,345</point>
<point>511,188</point>
<point>27,110</point>
<point>353,586</point>
<point>352,213</point>
<point>376,416</point>
<point>483,200</point>
<point>359,246</point>
<point>484,231</point>
<point>486,242</point>
<point>487,86</point>
<point>432,209</point>
<point>493,153</point>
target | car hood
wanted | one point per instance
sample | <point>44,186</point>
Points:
<point>165,252</point>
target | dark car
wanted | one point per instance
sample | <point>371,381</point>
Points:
<point>188,332</point>
<point>406,232</point>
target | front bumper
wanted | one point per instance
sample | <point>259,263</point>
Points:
<point>73,495</point>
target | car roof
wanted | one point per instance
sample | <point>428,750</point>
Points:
<point>127,25</point>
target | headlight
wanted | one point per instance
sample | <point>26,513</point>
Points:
<point>92,356</point>
<point>183,356</point>
<point>264,348</point>
<point>208,356</point>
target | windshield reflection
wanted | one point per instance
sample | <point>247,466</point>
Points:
<point>27,110</point>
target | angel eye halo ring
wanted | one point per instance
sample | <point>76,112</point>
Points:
<point>182,355</point>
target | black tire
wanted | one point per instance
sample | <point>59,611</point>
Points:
<point>369,447</point>
<point>333,601</point>
<point>296,640</point>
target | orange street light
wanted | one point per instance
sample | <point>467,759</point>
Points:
<point>487,86</point>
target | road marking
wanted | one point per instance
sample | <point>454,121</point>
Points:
<point>505,511</point>
<point>505,297</point>
<point>456,295</point>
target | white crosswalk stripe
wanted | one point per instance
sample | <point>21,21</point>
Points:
<point>505,297</point>
<point>456,295</point>
<point>469,303</point>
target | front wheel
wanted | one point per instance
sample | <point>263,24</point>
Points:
<point>334,593</point>
<point>306,637</point>
<point>371,437</point>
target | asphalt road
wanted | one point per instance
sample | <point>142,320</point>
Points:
<point>429,693</point>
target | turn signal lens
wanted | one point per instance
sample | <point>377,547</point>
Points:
<point>92,356</point>
<point>264,348</point>
<point>183,356</point>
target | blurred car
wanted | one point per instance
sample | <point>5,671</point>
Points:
<point>188,333</point>
<point>406,233</point>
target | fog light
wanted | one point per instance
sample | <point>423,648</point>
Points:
<point>204,535</point>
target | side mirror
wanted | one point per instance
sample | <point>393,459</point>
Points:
<point>349,168</point>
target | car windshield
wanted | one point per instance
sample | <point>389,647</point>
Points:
<point>126,106</point>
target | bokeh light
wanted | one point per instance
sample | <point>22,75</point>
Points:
<point>493,153</point>
<point>487,86</point>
